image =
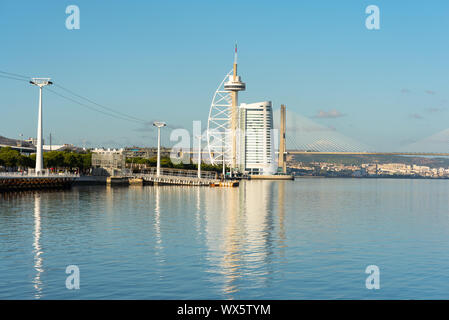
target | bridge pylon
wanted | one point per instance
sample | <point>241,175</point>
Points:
<point>282,149</point>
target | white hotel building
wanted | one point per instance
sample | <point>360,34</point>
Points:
<point>256,141</point>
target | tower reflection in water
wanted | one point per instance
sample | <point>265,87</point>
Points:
<point>240,234</point>
<point>37,248</point>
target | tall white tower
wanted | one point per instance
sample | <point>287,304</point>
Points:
<point>234,85</point>
<point>256,143</point>
<point>40,82</point>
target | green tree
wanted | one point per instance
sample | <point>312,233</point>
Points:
<point>70,160</point>
<point>86,160</point>
<point>54,159</point>
<point>26,162</point>
<point>9,157</point>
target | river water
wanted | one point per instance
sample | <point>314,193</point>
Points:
<point>303,239</point>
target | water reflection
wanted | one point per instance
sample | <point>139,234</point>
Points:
<point>241,228</point>
<point>233,244</point>
<point>198,213</point>
<point>212,243</point>
<point>157,219</point>
<point>281,214</point>
<point>240,237</point>
<point>37,282</point>
<point>159,252</point>
<point>260,227</point>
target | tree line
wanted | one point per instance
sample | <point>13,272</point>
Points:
<point>13,159</point>
<point>82,162</point>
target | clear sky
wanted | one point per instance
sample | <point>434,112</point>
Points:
<point>164,59</point>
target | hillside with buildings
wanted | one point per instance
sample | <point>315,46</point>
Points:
<point>361,159</point>
<point>368,166</point>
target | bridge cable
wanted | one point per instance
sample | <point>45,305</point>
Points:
<point>12,78</point>
<point>100,105</point>
<point>115,114</point>
<point>92,108</point>
<point>14,74</point>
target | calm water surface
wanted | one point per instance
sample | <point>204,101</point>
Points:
<point>307,239</point>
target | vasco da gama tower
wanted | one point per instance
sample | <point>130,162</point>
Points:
<point>240,135</point>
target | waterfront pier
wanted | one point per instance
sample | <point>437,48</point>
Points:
<point>10,182</point>
<point>168,176</point>
<point>175,180</point>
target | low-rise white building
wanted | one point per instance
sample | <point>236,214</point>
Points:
<point>108,161</point>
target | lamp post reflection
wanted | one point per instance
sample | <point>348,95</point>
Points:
<point>157,224</point>
<point>37,282</point>
<point>198,212</point>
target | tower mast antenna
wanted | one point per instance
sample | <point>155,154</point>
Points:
<point>234,85</point>
<point>235,61</point>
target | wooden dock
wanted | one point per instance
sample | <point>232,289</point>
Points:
<point>174,180</point>
<point>181,177</point>
<point>231,184</point>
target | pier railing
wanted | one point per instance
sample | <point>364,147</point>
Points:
<point>184,173</point>
<point>36,175</point>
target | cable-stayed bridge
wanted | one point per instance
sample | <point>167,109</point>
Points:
<point>305,136</point>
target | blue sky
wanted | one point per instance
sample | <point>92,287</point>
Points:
<point>164,59</point>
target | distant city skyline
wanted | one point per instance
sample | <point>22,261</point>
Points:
<point>384,88</point>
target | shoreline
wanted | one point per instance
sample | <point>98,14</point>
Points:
<point>373,177</point>
<point>39,184</point>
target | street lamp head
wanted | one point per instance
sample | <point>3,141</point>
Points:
<point>40,82</point>
<point>159,124</point>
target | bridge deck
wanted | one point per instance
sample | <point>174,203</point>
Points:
<point>370,153</point>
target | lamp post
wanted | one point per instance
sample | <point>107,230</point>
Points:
<point>224,164</point>
<point>40,82</point>
<point>199,156</point>
<point>159,125</point>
